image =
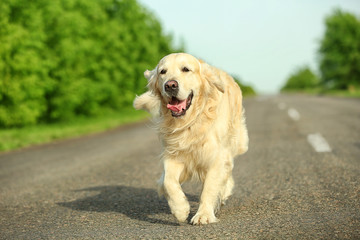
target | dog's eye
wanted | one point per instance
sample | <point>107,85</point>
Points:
<point>163,71</point>
<point>185,69</point>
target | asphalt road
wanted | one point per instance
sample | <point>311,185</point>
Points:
<point>104,186</point>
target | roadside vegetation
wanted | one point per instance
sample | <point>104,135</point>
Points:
<point>14,138</point>
<point>63,59</point>
<point>73,67</point>
<point>339,60</point>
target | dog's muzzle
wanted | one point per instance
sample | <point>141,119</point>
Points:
<point>172,88</point>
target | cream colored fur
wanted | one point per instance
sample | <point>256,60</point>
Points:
<point>201,144</point>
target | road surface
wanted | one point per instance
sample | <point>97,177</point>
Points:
<point>300,179</point>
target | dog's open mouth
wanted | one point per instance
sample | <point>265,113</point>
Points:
<point>179,107</point>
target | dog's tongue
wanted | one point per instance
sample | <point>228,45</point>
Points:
<point>177,106</point>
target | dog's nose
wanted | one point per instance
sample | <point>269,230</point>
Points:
<point>172,87</point>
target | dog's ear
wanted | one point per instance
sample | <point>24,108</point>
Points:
<point>212,76</point>
<point>148,74</point>
<point>151,77</point>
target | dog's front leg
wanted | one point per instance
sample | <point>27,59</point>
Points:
<point>214,186</point>
<point>169,185</point>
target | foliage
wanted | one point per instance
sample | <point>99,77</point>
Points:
<point>66,58</point>
<point>339,55</point>
<point>301,78</point>
<point>340,51</point>
<point>14,138</point>
<point>245,89</point>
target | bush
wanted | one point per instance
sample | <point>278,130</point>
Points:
<point>64,58</point>
<point>301,78</point>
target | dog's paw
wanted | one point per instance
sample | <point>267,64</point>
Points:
<point>181,212</point>
<point>203,218</point>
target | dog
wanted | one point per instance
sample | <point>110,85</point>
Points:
<point>201,123</point>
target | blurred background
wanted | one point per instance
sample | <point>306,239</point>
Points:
<point>265,43</point>
<point>69,64</point>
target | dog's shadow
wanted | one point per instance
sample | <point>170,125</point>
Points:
<point>137,203</point>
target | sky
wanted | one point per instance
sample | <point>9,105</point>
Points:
<point>262,42</point>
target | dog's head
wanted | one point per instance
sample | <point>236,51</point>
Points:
<point>179,79</point>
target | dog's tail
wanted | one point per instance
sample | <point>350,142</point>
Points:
<point>244,136</point>
<point>148,102</point>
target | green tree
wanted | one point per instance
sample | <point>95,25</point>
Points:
<point>301,78</point>
<point>340,51</point>
<point>64,58</point>
<point>22,69</point>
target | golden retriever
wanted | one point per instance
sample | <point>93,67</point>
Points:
<point>202,128</point>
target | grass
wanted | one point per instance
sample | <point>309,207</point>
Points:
<point>344,93</point>
<point>16,138</point>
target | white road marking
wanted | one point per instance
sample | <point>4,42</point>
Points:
<point>294,114</point>
<point>281,106</point>
<point>318,142</point>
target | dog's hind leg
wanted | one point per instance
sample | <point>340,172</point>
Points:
<point>227,190</point>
